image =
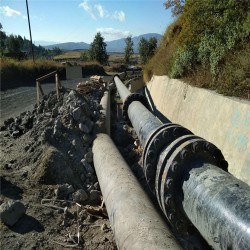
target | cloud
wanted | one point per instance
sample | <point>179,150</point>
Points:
<point>119,15</point>
<point>88,8</point>
<point>102,12</point>
<point>113,33</point>
<point>7,11</point>
<point>98,10</point>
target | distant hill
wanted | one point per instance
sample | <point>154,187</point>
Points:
<point>119,45</point>
<point>112,46</point>
<point>43,43</point>
<point>69,46</point>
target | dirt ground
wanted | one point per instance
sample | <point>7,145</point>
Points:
<point>43,165</point>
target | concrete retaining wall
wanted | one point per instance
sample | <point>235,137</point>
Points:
<point>221,120</point>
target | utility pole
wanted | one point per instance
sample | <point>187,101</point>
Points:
<point>31,44</point>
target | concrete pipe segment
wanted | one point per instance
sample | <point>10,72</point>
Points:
<point>105,104</point>
<point>133,218</point>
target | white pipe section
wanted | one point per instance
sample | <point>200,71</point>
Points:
<point>134,220</point>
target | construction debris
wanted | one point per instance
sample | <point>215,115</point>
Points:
<point>96,82</point>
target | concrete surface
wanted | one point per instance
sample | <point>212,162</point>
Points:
<point>73,72</point>
<point>221,120</point>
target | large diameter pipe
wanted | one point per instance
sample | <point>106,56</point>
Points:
<point>218,205</point>
<point>105,104</point>
<point>123,91</point>
<point>144,122</point>
<point>133,218</point>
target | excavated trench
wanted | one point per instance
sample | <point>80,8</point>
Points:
<point>48,163</point>
<point>188,176</point>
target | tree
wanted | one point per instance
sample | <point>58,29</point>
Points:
<point>56,51</point>
<point>143,48</point>
<point>147,49</point>
<point>20,40</point>
<point>97,49</point>
<point>84,56</point>
<point>152,45</point>
<point>2,40</point>
<point>176,6</point>
<point>128,49</point>
<point>13,44</point>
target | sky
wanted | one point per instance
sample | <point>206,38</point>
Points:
<point>79,20</point>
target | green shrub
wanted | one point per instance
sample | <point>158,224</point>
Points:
<point>183,62</point>
<point>214,47</point>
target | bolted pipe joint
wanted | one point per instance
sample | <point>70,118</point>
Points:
<point>158,140</point>
<point>131,98</point>
<point>173,165</point>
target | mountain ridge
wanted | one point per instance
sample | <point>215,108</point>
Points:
<point>117,45</point>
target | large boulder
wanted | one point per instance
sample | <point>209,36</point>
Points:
<point>11,211</point>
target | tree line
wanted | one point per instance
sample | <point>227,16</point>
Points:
<point>19,47</point>
<point>99,53</point>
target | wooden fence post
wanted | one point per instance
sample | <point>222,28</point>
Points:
<point>37,92</point>
<point>57,85</point>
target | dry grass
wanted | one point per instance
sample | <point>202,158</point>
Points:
<point>15,73</point>
<point>69,55</point>
<point>27,64</point>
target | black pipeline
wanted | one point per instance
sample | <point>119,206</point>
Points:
<point>189,177</point>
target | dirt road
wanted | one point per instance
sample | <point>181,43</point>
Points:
<point>15,101</point>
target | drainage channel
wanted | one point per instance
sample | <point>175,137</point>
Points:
<point>189,177</point>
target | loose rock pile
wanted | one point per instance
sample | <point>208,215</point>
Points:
<point>56,139</point>
<point>65,129</point>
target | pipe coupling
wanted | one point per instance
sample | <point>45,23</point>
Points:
<point>174,149</point>
<point>157,141</point>
<point>178,157</point>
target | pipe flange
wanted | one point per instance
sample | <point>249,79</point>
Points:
<point>131,98</point>
<point>162,161</point>
<point>161,138</point>
<point>192,150</point>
